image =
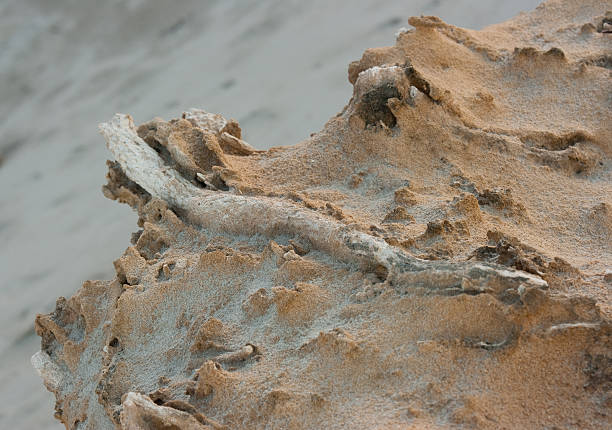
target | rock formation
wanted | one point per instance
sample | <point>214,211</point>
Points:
<point>437,256</point>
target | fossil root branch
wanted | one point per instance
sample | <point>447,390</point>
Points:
<point>248,215</point>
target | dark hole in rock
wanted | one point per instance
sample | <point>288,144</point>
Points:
<point>373,106</point>
<point>381,272</point>
<point>604,61</point>
<point>135,237</point>
<point>605,25</point>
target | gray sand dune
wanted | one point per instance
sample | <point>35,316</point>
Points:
<point>278,67</point>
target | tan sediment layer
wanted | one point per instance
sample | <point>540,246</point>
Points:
<point>437,256</point>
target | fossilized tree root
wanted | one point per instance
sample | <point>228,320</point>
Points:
<point>249,215</point>
<point>141,412</point>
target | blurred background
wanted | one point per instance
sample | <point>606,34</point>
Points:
<point>278,67</point>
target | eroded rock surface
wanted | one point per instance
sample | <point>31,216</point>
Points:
<point>437,256</point>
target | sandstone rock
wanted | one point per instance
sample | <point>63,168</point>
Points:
<point>312,287</point>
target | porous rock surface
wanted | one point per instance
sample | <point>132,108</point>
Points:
<point>436,257</point>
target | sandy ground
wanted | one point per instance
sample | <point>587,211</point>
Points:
<point>279,67</point>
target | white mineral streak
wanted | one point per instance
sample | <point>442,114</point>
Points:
<point>140,413</point>
<point>224,212</point>
<point>206,120</point>
<point>47,370</point>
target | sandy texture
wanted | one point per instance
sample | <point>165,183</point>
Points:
<point>437,256</point>
<point>277,66</point>
<point>59,84</point>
